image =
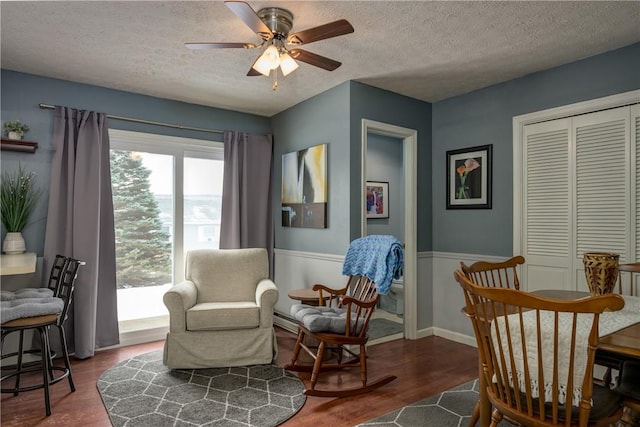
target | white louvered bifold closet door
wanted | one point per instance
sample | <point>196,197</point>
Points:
<point>635,138</point>
<point>602,186</point>
<point>581,190</point>
<point>602,182</point>
<point>547,203</point>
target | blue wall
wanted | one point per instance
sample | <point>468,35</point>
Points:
<point>485,117</point>
<point>368,102</point>
<point>335,117</point>
<point>318,120</point>
<point>21,94</point>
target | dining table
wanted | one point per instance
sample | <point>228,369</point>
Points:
<point>620,344</point>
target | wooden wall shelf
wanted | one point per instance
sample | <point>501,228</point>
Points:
<point>18,145</point>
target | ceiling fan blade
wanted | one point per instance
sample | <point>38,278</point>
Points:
<point>222,45</point>
<point>314,59</point>
<point>250,17</point>
<point>326,31</point>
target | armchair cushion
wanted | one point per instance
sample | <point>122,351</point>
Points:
<point>213,316</point>
<point>230,275</point>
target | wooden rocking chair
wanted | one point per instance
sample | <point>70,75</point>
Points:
<point>342,322</point>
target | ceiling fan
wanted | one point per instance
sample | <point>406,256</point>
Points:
<point>272,25</point>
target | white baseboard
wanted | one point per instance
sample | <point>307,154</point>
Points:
<point>140,337</point>
<point>455,336</point>
<point>426,332</point>
<point>285,323</point>
<point>440,299</point>
<point>387,338</point>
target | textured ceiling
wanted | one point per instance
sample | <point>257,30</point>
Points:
<point>426,50</point>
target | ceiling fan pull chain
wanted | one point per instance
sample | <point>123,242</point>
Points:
<point>275,79</point>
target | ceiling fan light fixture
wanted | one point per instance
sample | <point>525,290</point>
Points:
<point>269,60</point>
<point>287,64</point>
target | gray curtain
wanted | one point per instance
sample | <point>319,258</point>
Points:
<point>246,192</point>
<point>80,224</point>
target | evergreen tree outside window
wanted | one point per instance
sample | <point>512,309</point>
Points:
<point>143,249</point>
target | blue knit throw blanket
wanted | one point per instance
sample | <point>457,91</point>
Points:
<point>380,258</point>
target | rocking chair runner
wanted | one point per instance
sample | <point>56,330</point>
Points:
<point>342,322</point>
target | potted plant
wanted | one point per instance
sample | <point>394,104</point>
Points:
<point>19,196</point>
<point>14,129</point>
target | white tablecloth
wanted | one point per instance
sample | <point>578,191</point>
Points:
<point>609,323</point>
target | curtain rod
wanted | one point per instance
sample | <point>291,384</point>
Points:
<point>146,122</point>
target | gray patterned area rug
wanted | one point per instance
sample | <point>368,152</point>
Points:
<point>451,408</point>
<point>141,391</point>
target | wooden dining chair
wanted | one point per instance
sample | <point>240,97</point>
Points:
<point>537,356</point>
<point>503,274</point>
<point>628,383</point>
<point>341,323</point>
<point>627,285</point>
<point>628,386</point>
<point>628,279</point>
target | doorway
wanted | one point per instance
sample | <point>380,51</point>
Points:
<point>400,144</point>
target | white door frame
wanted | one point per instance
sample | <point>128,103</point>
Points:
<point>410,150</point>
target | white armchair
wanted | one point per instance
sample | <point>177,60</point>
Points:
<point>222,314</point>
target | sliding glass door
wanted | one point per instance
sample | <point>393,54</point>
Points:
<point>167,195</point>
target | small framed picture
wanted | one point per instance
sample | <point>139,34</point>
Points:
<point>377,199</point>
<point>469,178</point>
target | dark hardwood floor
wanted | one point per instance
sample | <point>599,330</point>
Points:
<point>424,367</point>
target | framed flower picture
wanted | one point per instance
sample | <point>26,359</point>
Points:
<point>469,178</point>
<point>377,199</point>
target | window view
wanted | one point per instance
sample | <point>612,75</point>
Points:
<point>202,203</point>
<point>167,199</point>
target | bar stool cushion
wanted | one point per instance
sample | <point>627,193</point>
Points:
<point>29,307</point>
<point>26,293</point>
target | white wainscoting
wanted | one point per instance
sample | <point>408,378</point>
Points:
<point>440,298</point>
<point>299,270</point>
<point>448,300</point>
<point>295,270</point>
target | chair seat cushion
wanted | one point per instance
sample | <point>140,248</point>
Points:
<point>629,380</point>
<point>26,293</point>
<point>321,319</point>
<point>605,403</point>
<point>29,307</point>
<point>213,316</point>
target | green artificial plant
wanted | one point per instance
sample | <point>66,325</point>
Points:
<point>15,126</point>
<point>19,196</point>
